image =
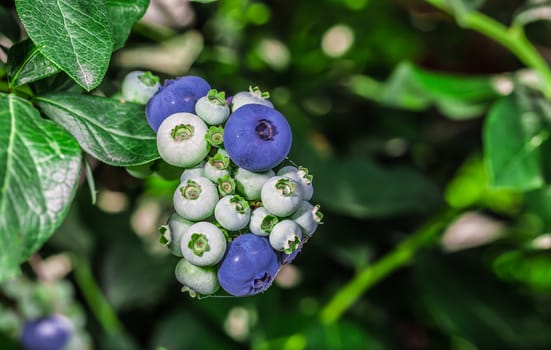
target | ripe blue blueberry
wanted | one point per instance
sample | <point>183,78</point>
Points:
<point>262,222</point>
<point>203,244</point>
<point>257,138</point>
<point>138,86</point>
<point>249,266</point>
<point>232,212</point>
<point>286,236</point>
<point>281,196</point>
<point>175,96</point>
<point>195,198</point>
<point>48,333</point>
<point>181,140</point>
<point>213,108</point>
<point>196,279</point>
<point>302,177</point>
<point>171,233</point>
<point>253,96</point>
<point>308,217</point>
<point>249,183</point>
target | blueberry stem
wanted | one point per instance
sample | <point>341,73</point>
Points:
<point>365,279</point>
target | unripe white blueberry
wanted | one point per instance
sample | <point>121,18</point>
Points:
<point>262,221</point>
<point>232,212</point>
<point>302,177</point>
<point>285,236</point>
<point>197,279</point>
<point>212,108</point>
<point>249,184</point>
<point>253,96</point>
<point>280,196</point>
<point>196,171</point>
<point>195,198</point>
<point>217,166</point>
<point>203,244</point>
<point>307,217</point>
<point>139,86</point>
<point>181,140</point>
<point>173,232</point>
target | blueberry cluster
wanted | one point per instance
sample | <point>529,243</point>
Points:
<point>241,208</point>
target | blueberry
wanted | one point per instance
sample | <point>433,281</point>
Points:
<point>308,217</point>
<point>281,196</point>
<point>172,233</point>
<point>249,266</point>
<point>262,221</point>
<point>203,244</point>
<point>181,140</point>
<point>179,95</point>
<point>48,333</point>
<point>195,171</point>
<point>196,279</point>
<point>217,166</point>
<point>232,212</point>
<point>257,138</point>
<point>286,236</point>
<point>302,177</point>
<point>249,184</point>
<point>253,96</point>
<point>213,108</point>
<point>195,198</point>
<point>139,87</point>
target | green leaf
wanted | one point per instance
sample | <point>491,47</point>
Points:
<point>26,64</point>
<point>412,88</point>
<point>532,268</point>
<point>38,177</point>
<point>8,25</point>
<point>466,301</point>
<point>115,133</point>
<point>513,135</point>
<point>123,14</point>
<point>75,35</point>
<point>359,187</point>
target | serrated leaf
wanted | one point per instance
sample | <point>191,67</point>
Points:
<point>26,64</point>
<point>123,14</point>
<point>412,88</point>
<point>39,173</point>
<point>75,35</point>
<point>8,25</point>
<point>512,139</point>
<point>115,133</point>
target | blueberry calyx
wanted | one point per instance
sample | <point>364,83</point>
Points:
<point>240,204</point>
<point>305,174</point>
<point>220,161</point>
<point>216,97</point>
<point>182,132</point>
<point>285,187</point>
<point>259,93</point>
<point>265,130</point>
<point>318,215</point>
<point>259,284</point>
<point>192,190</point>
<point>291,245</point>
<point>215,136</point>
<point>199,243</point>
<point>148,79</point>
<point>269,222</point>
<point>226,185</point>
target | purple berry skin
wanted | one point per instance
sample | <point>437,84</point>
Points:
<point>249,266</point>
<point>48,333</point>
<point>257,137</point>
<point>178,95</point>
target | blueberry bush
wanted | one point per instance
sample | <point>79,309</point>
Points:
<point>151,147</point>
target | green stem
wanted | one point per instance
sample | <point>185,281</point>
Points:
<point>372,274</point>
<point>101,308</point>
<point>512,38</point>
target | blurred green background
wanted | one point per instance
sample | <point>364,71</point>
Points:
<point>387,101</point>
